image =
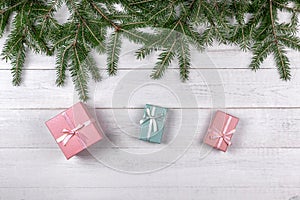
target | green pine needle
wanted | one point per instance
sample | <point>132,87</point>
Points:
<point>261,52</point>
<point>171,28</point>
<point>79,72</point>
<point>164,60</point>
<point>62,65</point>
<point>113,51</point>
<point>184,59</point>
<point>282,62</point>
<point>18,63</point>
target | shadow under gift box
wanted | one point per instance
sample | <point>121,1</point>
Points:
<point>221,130</point>
<point>74,130</point>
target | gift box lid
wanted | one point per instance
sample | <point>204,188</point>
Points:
<point>68,120</point>
<point>220,122</point>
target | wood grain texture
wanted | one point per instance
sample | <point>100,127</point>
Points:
<point>182,192</point>
<point>258,128</point>
<point>242,168</point>
<point>263,162</point>
<point>242,89</point>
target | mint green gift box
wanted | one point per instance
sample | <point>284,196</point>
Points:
<point>153,123</point>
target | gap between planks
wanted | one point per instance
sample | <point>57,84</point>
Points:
<point>173,108</point>
<point>141,148</point>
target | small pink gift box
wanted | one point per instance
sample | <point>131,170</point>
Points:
<point>221,130</point>
<point>74,130</point>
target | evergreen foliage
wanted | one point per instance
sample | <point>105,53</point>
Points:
<point>253,25</point>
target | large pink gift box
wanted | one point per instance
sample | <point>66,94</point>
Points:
<point>74,130</point>
<point>220,131</point>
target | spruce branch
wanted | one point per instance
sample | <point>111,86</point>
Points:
<point>4,19</point>
<point>282,62</point>
<point>113,52</point>
<point>79,73</point>
<point>170,27</point>
<point>48,22</point>
<point>92,68</point>
<point>74,53</point>
<point>183,55</point>
<point>62,65</point>
<point>273,22</point>
<point>22,36</point>
<point>18,63</point>
<point>261,52</point>
<point>74,41</point>
<point>11,6</point>
<point>102,14</point>
<point>286,7</point>
<point>290,41</point>
<point>143,52</point>
<point>164,60</point>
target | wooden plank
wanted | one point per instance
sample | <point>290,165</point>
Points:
<point>232,90</point>
<point>263,162</point>
<point>37,90</point>
<point>258,128</point>
<point>163,193</point>
<point>242,168</point>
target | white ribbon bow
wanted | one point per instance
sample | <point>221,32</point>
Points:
<point>222,135</point>
<point>68,134</point>
<point>150,115</point>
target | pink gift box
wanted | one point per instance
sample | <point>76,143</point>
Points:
<point>221,130</point>
<point>74,130</point>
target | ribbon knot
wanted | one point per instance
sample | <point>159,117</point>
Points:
<point>151,117</point>
<point>74,130</point>
<point>222,136</point>
<point>68,134</point>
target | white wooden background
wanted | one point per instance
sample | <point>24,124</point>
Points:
<point>263,163</point>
